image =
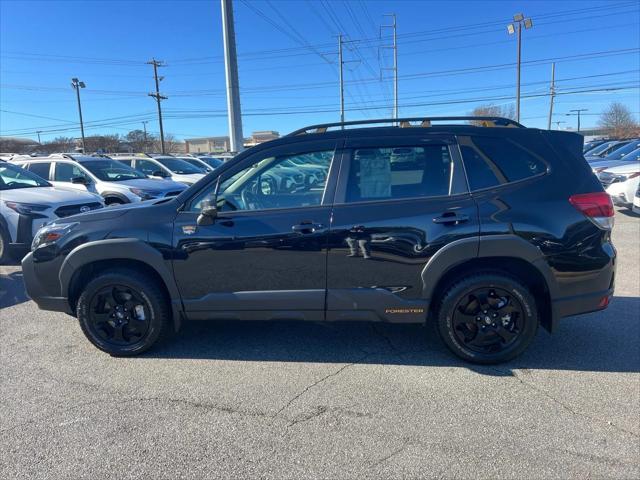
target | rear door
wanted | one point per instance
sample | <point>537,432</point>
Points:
<point>398,202</point>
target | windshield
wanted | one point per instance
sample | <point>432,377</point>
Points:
<point>632,156</point>
<point>618,153</point>
<point>112,171</point>
<point>212,162</point>
<point>600,148</point>
<point>12,177</point>
<point>197,164</point>
<point>178,166</point>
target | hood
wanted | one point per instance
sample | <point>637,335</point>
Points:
<point>191,177</point>
<point>109,212</point>
<point>49,195</point>
<point>607,164</point>
<point>153,184</point>
<point>630,167</point>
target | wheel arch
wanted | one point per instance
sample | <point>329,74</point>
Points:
<point>509,254</point>
<point>116,196</point>
<point>89,259</point>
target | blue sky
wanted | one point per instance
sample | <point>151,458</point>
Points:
<point>452,55</point>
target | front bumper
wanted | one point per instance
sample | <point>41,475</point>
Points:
<point>37,292</point>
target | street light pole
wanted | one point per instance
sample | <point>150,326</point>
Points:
<point>77,85</point>
<point>519,21</point>
<point>144,126</point>
<point>231,71</point>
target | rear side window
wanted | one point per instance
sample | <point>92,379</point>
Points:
<point>509,160</point>
<point>41,169</point>
<point>399,172</point>
<point>479,172</point>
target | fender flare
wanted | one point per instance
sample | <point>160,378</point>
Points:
<point>121,248</point>
<point>459,251</point>
<point>116,195</point>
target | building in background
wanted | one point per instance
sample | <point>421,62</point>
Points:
<point>222,144</point>
<point>207,144</point>
<point>260,136</point>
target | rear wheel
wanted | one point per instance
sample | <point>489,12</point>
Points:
<point>5,255</point>
<point>123,312</point>
<point>487,318</point>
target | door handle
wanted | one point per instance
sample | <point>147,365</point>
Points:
<point>451,218</point>
<point>307,228</point>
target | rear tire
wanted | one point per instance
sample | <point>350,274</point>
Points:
<point>5,254</point>
<point>124,312</point>
<point>487,318</point>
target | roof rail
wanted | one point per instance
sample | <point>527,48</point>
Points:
<point>425,122</point>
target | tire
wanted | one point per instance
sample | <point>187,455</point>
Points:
<point>5,254</point>
<point>480,327</point>
<point>112,201</point>
<point>132,291</point>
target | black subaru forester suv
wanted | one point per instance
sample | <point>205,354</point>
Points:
<point>485,227</point>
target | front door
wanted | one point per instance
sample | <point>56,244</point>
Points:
<point>264,256</point>
<point>398,202</point>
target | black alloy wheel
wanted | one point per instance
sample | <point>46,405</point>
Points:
<point>488,320</point>
<point>487,317</point>
<point>124,312</point>
<point>119,315</point>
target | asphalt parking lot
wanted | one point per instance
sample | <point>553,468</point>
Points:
<point>287,400</point>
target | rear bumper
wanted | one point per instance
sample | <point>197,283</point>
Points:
<point>580,304</point>
<point>37,292</point>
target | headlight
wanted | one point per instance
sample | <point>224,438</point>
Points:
<point>144,194</point>
<point>25,208</point>
<point>51,234</point>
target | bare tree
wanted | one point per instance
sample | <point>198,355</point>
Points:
<point>11,145</point>
<point>171,144</point>
<point>102,143</point>
<point>618,121</point>
<point>139,141</point>
<point>59,145</point>
<point>490,110</point>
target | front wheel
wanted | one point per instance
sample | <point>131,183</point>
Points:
<point>487,318</point>
<point>123,312</point>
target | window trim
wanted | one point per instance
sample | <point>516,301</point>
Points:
<point>343,181</point>
<point>283,150</point>
<point>507,182</point>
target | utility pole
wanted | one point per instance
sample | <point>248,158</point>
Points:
<point>38,132</point>
<point>552,93</point>
<point>341,65</point>
<point>231,70</point>
<point>77,85</point>
<point>395,61</point>
<point>519,21</point>
<point>144,126</point>
<point>577,111</point>
<point>558,124</point>
<point>158,97</point>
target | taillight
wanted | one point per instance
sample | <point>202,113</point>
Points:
<point>597,206</point>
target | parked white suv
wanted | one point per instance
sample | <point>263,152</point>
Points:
<point>621,183</point>
<point>27,202</point>
<point>163,167</point>
<point>117,183</point>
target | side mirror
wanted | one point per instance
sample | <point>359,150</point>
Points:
<point>80,181</point>
<point>160,173</point>
<point>207,216</point>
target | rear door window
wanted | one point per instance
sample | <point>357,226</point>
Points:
<point>390,173</point>
<point>41,169</point>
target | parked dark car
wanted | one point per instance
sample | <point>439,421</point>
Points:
<point>592,144</point>
<point>475,228</point>
<point>598,153</point>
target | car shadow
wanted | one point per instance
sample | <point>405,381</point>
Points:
<point>606,341</point>
<point>11,288</point>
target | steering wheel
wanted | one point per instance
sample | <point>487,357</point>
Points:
<point>249,198</point>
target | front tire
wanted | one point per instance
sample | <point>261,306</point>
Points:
<point>487,318</point>
<point>5,254</point>
<point>123,312</point>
